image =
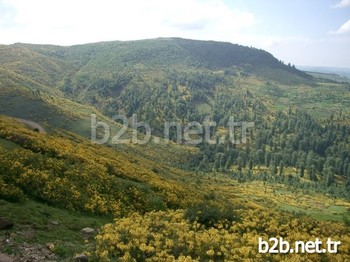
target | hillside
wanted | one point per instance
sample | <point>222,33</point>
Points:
<point>343,73</point>
<point>172,79</point>
<point>43,176</point>
<point>145,77</point>
<point>96,73</point>
<point>292,171</point>
<point>172,52</point>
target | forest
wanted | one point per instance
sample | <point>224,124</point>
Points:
<point>171,201</point>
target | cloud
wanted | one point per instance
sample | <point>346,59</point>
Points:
<point>342,4</point>
<point>194,14</point>
<point>7,14</point>
<point>73,22</point>
<point>344,29</point>
<point>326,51</point>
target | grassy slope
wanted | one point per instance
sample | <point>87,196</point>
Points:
<point>32,219</point>
<point>33,225</point>
<point>36,94</point>
<point>78,71</point>
<point>54,112</point>
<point>127,165</point>
<point>320,99</point>
<point>148,63</point>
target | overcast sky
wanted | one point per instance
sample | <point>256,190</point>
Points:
<point>302,32</point>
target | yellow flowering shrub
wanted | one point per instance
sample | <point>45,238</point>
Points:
<point>161,236</point>
<point>168,236</point>
<point>69,171</point>
<point>10,192</point>
<point>77,175</point>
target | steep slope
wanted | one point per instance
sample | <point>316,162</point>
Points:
<point>171,79</point>
<point>44,164</point>
<point>197,216</point>
<point>160,80</point>
<point>172,52</point>
<point>98,73</point>
<point>172,201</point>
<point>25,67</point>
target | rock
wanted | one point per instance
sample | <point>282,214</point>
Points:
<point>88,230</point>
<point>29,234</point>
<point>50,246</point>
<point>7,241</point>
<point>55,223</point>
<point>81,258</point>
<point>4,258</point>
<point>5,223</point>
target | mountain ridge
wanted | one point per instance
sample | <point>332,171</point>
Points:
<point>210,54</point>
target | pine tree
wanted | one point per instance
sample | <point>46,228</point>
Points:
<point>302,170</point>
<point>273,168</point>
<point>239,163</point>
<point>281,168</point>
<point>228,163</point>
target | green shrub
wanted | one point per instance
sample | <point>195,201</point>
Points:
<point>10,193</point>
<point>210,214</point>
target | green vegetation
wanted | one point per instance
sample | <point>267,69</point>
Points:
<point>34,225</point>
<point>78,175</point>
<point>171,201</point>
<point>8,145</point>
<point>333,212</point>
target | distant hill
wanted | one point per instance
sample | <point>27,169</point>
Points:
<point>161,52</point>
<point>100,74</point>
<point>342,72</point>
<point>328,76</point>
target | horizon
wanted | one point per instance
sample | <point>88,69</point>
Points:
<point>312,33</point>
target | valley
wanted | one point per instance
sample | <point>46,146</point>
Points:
<point>169,201</point>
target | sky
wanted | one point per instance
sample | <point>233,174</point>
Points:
<point>300,32</point>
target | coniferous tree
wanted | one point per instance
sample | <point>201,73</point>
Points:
<point>302,170</point>
<point>281,168</point>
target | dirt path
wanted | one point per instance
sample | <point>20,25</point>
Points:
<point>31,124</point>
